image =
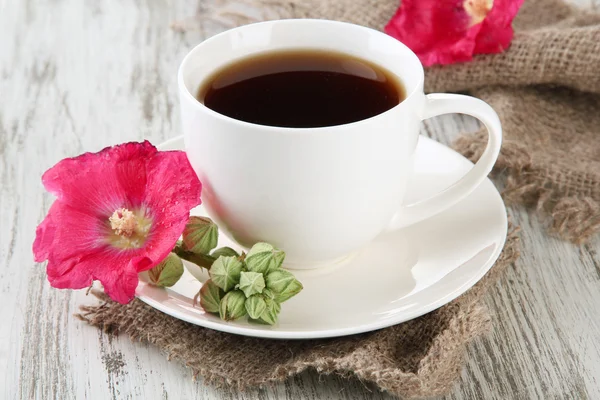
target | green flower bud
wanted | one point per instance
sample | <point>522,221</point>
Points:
<point>283,284</point>
<point>210,296</point>
<point>255,306</point>
<point>268,293</point>
<point>168,272</point>
<point>264,258</point>
<point>225,252</point>
<point>200,235</point>
<point>225,272</point>
<point>251,283</point>
<point>271,312</point>
<point>232,305</point>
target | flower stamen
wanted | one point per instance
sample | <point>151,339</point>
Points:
<point>123,222</point>
<point>477,10</point>
<point>129,229</point>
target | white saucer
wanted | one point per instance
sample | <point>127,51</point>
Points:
<point>396,278</point>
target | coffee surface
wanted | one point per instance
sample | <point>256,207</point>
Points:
<point>301,89</point>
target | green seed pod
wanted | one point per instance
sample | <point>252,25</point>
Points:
<point>225,272</point>
<point>167,272</point>
<point>264,258</point>
<point>232,305</point>
<point>225,252</point>
<point>251,283</point>
<point>210,296</point>
<point>200,235</point>
<point>255,306</point>
<point>283,285</point>
<point>271,312</point>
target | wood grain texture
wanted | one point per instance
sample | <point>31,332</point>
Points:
<point>80,75</point>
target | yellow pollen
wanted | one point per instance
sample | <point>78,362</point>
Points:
<point>123,222</point>
<point>477,10</point>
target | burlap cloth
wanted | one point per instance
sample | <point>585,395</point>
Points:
<point>546,89</point>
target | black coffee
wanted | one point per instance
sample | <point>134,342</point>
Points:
<point>301,89</point>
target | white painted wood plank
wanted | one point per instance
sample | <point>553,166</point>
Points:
<point>78,76</point>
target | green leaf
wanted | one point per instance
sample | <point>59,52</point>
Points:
<point>200,235</point>
<point>167,272</point>
<point>255,306</point>
<point>263,258</point>
<point>210,296</point>
<point>225,252</point>
<point>251,283</point>
<point>225,272</point>
<point>232,305</point>
<point>283,285</point>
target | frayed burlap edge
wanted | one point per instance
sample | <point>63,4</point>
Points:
<point>438,369</point>
<point>575,219</point>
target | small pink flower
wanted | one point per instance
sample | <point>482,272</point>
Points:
<point>118,212</point>
<point>451,31</point>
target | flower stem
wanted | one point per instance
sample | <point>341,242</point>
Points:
<point>201,260</point>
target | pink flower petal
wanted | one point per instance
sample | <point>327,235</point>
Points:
<point>101,182</point>
<point>436,30</point>
<point>130,168</point>
<point>170,205</point>
<point>85,255</point>
<point>44,235</point>
<point>68,239</point>
<point>496,29</point>
<point>71,274</point>
<point>119,281</point>
<point>122,287</point>
<point>66,236</point>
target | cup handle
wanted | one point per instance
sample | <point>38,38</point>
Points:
<point>439,104</point>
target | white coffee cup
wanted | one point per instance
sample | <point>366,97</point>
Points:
<point>322,193</point>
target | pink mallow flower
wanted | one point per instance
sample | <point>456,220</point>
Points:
<point>118,212</point>
<point>451,31</point>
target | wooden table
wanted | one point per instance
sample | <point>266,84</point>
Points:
<point>78,75</point>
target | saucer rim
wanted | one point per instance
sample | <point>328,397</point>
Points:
<point>275,333</point>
